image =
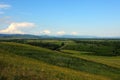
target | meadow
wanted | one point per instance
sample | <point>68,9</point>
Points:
<point>59,59</point>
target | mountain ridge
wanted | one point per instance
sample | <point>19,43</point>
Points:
<point>31,36</point>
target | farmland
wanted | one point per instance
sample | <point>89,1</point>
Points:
<point>59,59</point>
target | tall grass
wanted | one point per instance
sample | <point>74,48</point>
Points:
<point>13,67</point>
<point>61,59</point>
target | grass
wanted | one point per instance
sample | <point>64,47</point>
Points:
<point>113,61</point>
<point>61,60</point>
<point>14,67</point>
<point>100,48</point>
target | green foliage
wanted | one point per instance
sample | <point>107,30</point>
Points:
<point>104,48</point>
<point>45,45</point>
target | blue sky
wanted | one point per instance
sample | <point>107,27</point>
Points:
<point>58,17</point>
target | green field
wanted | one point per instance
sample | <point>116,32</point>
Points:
<point>37,60</point>
<point>111,61</point>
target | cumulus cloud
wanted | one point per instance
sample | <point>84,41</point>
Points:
<point>61,32</point>
<point>46,32</point>
<point>74,33</point>
<point>4,6</point>
<point>14,28</point>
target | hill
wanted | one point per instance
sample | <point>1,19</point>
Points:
<point>65,64</point>
<point>19,36</point>
<point>13,67</point>
<point>30,36</point>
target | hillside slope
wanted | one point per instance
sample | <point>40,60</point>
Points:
<point>13,67</point>
<point>113,61</point>
<point>53,58</point>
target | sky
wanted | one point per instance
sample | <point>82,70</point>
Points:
<point>60,17</point>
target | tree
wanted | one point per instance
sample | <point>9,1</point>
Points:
<point>62,44</point>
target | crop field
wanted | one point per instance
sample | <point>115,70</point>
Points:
<point>59,59</point>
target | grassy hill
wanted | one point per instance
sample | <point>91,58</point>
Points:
<point>21,61</point>
<point>113,61</point>
<point>13,67</point>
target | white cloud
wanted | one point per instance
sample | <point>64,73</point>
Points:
<point>74,33</point>
<point>46,32</point>
<point>4,6</point>
<point>61,32</point>
<point>14,28</point>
